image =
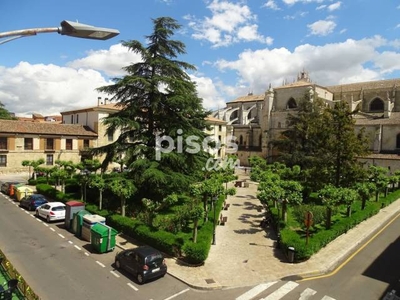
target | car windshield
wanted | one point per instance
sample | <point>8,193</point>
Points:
<point>58,208</point>
<point>154,260</point>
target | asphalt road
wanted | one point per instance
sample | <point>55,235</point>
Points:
<point>57,265</point>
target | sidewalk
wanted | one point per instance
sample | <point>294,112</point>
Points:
<point>245,254</point>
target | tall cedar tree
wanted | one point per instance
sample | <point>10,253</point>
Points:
<point>156,98</point>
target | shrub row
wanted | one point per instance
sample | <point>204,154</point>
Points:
<point>291,238</point>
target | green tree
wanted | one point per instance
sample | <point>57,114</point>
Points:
<point>123,188</point>
<point>331,197</point>
<point>365,191</point>
<point>378,176</point>
<point>97,181</point>
<point>34,164</point>
<point>5,114</point>
<point>157,98</point>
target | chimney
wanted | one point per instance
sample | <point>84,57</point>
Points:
<point>98,101</point>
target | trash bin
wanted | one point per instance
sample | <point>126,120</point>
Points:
<point>291,251</point>
<point>77,222</point>
<point>103,238</point>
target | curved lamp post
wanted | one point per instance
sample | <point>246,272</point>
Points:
<point>69,28</point>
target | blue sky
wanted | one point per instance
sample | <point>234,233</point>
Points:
<point>237,46</point>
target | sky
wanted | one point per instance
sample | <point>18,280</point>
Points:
<point>237,47</point>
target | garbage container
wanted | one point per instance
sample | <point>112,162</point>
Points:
<point>103,237</point>
<point>291,251</point>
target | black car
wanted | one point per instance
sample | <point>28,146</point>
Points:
<point>143,262</point>
<point>33,201</point>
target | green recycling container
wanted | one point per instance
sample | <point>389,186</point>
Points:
<point>103,237</point>
<point>77,222</point>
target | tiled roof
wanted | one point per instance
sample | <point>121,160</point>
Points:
<point>212,119</point>
<point>23,127</point>
<point>295,84</point>
<point>249,98</point>
<point>103,107</point>
<point>356,87</point>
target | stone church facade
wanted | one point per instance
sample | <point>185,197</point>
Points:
<point>258,119</point>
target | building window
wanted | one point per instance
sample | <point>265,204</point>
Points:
<point>3,160</point>
<point>72,119</point>
<point>85,143</point>
<point>49,144</point>
<point>68,144</point>
<point>28,143</point>
<point>3,143</point>
<point>49,159</point>
<point>241,140</point>
<point>376,105</point>
<point>77,119</point>
<point>291,104</point>
<point>110,136</point>
<point>220,127</point>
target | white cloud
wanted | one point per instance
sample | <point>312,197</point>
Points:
<point>109,61</point>
<point>48,89</point>
<point>299,14</point>
<point>334,6</point>
<point>292,2</point>
<point>208,91</point>
<point>321,7</point>
<point>271,4</point>
<point>330,64</point>
<point>322,27</point>
<point>227,25</point>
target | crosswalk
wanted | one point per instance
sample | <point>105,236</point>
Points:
<point>274,291</point>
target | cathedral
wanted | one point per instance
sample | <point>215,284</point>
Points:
<point>257,119</point>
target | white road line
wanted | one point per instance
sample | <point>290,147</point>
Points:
<point>115,274</point>
<point>61,236</point>
<point>23,209</point>
<point>47,225</point>
<point>32,215</point>
<point>71,242</point>
<point>177,294</point>
<point>87,254</point>
<point>77,247</point>
<point>52,229</point>
<point>100,264</point>
<point>282,291</point>
<point>327,298</point>
<point>307,293</point>
<point>26,212</point>
<point>39,220</point>
<point>255,291</point>
<point>132,286</point>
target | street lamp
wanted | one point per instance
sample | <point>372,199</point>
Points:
<point>214,201</point>
<point>69,28</point>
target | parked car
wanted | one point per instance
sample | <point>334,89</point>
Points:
<point>33,201</point>
<point>51,211</point>
<point>143,262</point>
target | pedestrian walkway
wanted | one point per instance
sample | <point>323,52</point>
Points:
<point>245,254</point>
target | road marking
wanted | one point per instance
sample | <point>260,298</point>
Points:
<point>100,264</point>
<point>32,215</point>
<point>77,247</point>
<point>177,294</point>
<point>307,293</point>
<point>47,225</point>
<point>61,236</point>
<point>39,220</point>
<point>52,229</point>
<point>354,254</point>
<point>282,291</point>
<point>71,242</point>
<point>26,212</point>
<point>255,291</point>
<point>132,286</point>
<point>87,254</point>
<point>327,298</point>
<point>115,274</point>
<point>23,209</point>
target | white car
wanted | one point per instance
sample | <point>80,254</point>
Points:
<point>52,211</point>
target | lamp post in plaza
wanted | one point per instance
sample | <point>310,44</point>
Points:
<point>69,28</point>
<point>214,202</point>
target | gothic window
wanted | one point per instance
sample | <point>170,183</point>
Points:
<point>398,141</point>
<point>241,140</point>
<point>260,140</point>
<point>376,105</point>
<point>291,104</point>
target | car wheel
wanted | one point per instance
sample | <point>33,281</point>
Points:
<point>117,264</point>
<point>48,219</point>
<point>140,278</point>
